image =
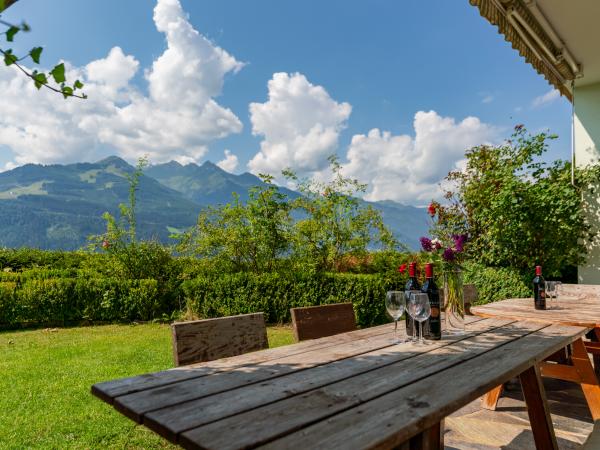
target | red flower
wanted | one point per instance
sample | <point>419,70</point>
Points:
<point>105,244</point>
<point>402,268</point>
<point>431,209</point>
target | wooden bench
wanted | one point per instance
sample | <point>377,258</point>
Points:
<point>314,322</point>
<point>206,340</point>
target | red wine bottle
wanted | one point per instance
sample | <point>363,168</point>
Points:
<point>411,285</point>
<point>539,289</point>
<point>432,327</point>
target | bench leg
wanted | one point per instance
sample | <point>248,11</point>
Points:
<point>430,439</point>
<point>587,376</point>
<point>596,338</point>
<point>537,408</point>
<point>490,400</point>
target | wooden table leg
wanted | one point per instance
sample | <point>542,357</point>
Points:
<point>490,400</point>
<point>589,381</point>
<point>537,408</point>
<point>596,338</point>
<point>430,439</point>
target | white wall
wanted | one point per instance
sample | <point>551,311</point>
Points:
<point>587,151</point>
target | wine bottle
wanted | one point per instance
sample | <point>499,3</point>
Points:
<point>411,285</point>
<point>539,289</point>
<point>432,327</point>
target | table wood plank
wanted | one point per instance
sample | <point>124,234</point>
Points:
<point>391,419</point>
<point>581,311</point>
<point>108,390</point>
<point>171,420</point>
<point>259,426</point>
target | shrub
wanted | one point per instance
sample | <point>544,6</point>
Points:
<point>274,294</point>
<point>69,300</point>
<point>495,284</point>
<point>26,258</point>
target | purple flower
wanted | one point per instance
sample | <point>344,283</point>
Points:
<point>426,244</point>
<point>448,255</point>
<point>459,242</point>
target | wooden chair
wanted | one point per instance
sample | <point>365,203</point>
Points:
<point>206,340</point>
<point>319,321</point>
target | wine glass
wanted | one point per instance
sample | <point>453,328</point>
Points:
<point>558,289</point>
<point>395,302</point>
<point>551,290</point>
<point>420,311</point>
<point>414,329</point>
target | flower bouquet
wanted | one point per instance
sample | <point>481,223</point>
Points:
<point>448,251</point>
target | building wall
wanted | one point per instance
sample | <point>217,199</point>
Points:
<point>587,151</point>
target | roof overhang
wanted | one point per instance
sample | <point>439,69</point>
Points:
<point>557,37</point>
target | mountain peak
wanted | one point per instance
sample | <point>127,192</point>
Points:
<point>115,161</point>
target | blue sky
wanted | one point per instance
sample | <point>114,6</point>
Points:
<point>385,59</point>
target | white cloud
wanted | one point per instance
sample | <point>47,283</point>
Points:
<point>300,124</point>
<point>177,120</point>
<point>409,169</point>
<point>487,99</point>
<point>229,163</point>
<point>545,99</point>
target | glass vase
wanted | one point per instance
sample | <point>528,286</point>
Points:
<point>454,302</point>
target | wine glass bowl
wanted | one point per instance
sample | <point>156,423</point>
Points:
<point>395,303</point>
<point>420,310</point>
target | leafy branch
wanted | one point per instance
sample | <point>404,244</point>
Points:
<point>39,78</point>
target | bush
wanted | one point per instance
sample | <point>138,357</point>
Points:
<point>274,294</point>
<point>63,301</point>
<point>26,258</point>
<point>495,284</point>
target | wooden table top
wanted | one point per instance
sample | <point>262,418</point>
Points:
<point>353,390</point>
<point>578,306</point>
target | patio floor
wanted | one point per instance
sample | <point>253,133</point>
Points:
<point>508,428</point>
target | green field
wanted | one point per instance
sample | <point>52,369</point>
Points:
<point>45,379</point>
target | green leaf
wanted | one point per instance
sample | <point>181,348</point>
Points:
<point>35,54</point>
<point>40,79</point>
<point>58,73</point>
<point>10,33</point>
<point>25,27</point>
<point>78,84</point>
<point>9,58</point>
<point>67,91</point>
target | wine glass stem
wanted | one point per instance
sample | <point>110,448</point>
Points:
<point>421,332</point>
<point>414,334</point>
<point>396,329</point>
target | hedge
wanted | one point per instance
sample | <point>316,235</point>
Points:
<point>71,300</point>
<point>31,298</point>
<point>274,294</point>
<point>497,283</point>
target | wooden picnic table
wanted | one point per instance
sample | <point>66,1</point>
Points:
<point>578,305</point>
<point>353,390</point>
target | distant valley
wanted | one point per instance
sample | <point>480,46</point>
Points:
<point>58,206</point>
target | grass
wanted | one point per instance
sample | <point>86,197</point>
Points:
<point>45,379</point>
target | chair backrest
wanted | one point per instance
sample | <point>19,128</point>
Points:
<point>319,321</point>
<point>206,340</point>
<point>471,296</point>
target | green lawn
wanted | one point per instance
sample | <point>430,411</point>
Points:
<point>45,379</point>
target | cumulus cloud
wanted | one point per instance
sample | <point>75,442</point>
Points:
<point>229,163</point>
<point>300,125</point>
<point>545,99</point>
<point>177,120</point>
<point>409,168</point>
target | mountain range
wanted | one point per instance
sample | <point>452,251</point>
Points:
<point>58,206</point>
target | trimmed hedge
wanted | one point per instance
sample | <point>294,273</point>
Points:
<point>71,300</point>
<point>274,294</point>
<point>497,283</point>
<point>36,296</point>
